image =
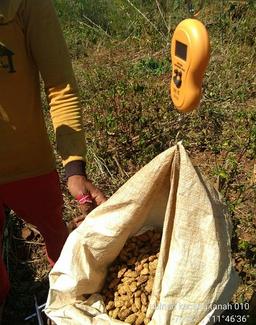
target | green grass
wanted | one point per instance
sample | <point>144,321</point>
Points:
<point>123,68</point>
<point>122,64</point>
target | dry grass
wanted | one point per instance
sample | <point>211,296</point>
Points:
<point>129,119</point>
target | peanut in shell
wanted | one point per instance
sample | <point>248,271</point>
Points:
<point>131,318</point>
<point>129,283</point>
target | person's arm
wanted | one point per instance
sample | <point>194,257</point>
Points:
<point>48,49</point>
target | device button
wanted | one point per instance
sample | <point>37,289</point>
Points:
<point>177,78</point>
<point>178,83</point>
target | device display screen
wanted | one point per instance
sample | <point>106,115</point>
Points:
<point>181,50</point>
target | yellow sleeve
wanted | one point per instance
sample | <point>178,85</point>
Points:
<point>67,121</point>
<point>49,53</point>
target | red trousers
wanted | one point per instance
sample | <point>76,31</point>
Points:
<point>37,200</point>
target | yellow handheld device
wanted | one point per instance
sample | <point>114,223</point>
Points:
<point>190,53</point>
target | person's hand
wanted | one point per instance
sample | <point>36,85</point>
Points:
<point>81,187</point>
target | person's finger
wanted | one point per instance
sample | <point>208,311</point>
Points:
<point>78,220</point>
<point>74,223</point>
<point>99,198</point>
<point>86,208</point>
<point>96,194</point>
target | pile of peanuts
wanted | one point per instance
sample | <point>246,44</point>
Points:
<point>130,278</point>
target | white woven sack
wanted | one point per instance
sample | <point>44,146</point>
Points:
<point>194,269</point>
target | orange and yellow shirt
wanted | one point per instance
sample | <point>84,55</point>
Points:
<point>32,44</point>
